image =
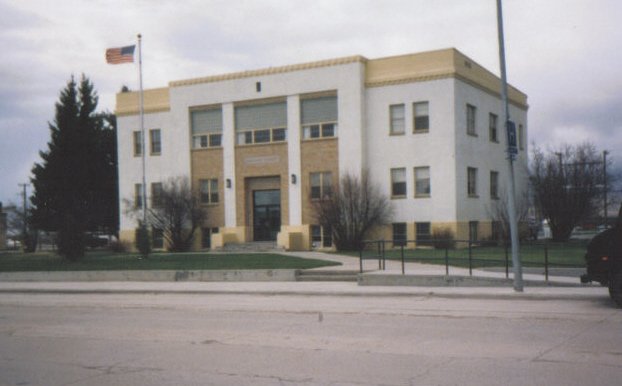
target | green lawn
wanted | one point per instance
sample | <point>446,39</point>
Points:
<point>94,261</point>
<point>532,255</point>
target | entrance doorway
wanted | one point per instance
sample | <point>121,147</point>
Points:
<point>266,214</point>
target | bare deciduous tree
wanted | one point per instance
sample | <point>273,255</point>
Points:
<point>176,211</point>
<point>353,211</point>
<point>567,184</point>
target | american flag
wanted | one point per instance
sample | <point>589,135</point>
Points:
<point>120,55</point>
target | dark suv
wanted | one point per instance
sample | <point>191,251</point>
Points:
<point>604,261</point>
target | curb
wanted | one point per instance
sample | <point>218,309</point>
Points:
<point>446,293</point>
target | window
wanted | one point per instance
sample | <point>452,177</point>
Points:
<point>494,184</point>
<point>319,117</point>
<point>155,141</point>
<point>206,237</point>
<point>423,233</point>
<point>157,238</point>
<point>138,143</point>
<point>138,195</point>
<point>422,181</point>
<point>471,113</point>
<point>398,182</point>
<point>421,117</point>
<point>492,128</point>
<point>497,230</point>
<point>473,225</point>
<point>472,182</point>
<point>262,123</point>
<point>521,138</point>
<point>321,237</point>
<point>321,185</point>
<point>156,195</point>
<point>397,119</point>
<point>399,234</point>
<point>208,191</point>
<point>206,128</point>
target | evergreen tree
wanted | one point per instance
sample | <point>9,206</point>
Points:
<point>75,185</point>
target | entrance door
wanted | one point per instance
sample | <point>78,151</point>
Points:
<point>266,214</point>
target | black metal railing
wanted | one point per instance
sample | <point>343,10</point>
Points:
<point>474,254</point>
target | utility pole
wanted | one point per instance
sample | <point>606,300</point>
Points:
<point>24,228</point>
<point>605,185</point>
<point>511,136</point>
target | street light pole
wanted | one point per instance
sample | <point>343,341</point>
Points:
<point>605,186</point>
<point>511,136</point>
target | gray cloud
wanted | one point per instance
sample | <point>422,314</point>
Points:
<point>562,54</point>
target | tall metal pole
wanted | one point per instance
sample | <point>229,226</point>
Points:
<point>516,264</point>
<point>142,127</point>
<point>605,185</point>
<point>25,207</point>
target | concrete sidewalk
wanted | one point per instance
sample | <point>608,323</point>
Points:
<point>420,280</point>
<point>301,289</point>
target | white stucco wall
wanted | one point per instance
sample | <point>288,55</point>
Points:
<point>158,168</point>
<point>479,152</point>
<point>434,148</point>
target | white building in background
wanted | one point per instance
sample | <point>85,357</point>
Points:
<point>261,145</point>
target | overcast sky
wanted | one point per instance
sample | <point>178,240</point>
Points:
<point>564,54</point>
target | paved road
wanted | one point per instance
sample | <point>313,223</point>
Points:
<point>246,339</point>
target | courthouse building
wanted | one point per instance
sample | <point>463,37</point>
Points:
<point>260,146</point>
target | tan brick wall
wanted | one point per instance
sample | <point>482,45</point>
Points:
<point>320,155</point>
<point>260,167</point>
<point>208,164</point>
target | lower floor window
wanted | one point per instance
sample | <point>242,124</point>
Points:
<point>321,236</point>
<point>399,234</point>
<point>424,234</point>
<point>473,225</point>
<point>157,238</point>
<point>206,237</point>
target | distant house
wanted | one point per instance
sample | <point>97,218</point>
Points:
<point>261,145</point>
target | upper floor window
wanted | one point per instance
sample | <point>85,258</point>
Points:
<point>494,184</point>
<point>319,117</point>
<point>397,119</point>
<point>155,141</point>
<point>138,195</point>
<point>471,112</point>
<point>472,182</point>
<point>492,128</point>
<point>398,182</point>
<point>156,194</point>
<point>262,123</point>
<point>422,181</point>
<point>321,185</point>
<point>208,191</point>
<point>521,138</point>
<point>206,128</point>
<point>138,143</point>
<point>421,117</point>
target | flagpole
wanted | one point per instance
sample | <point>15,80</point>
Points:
<point>142,126</point>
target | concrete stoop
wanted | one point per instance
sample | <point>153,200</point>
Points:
<point>256,246</point>
<point>327,275</point>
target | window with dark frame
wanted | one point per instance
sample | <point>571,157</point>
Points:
<point>321,185</point>
<point>471,112</point>
<point>138,146</point>
<point>398,182</point>
<point>421,114</point>
<point>492,128</point>
<point>155,141</point>
<point>472,182</point>
<point>208,191</point>
<point>422,181</point>
<point>399,234</point>
<point>397,119</point>
<point>423,233</point>
<point>494,185</point>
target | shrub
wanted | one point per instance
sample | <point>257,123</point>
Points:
<point>119,246</point>
<point>443,238</point>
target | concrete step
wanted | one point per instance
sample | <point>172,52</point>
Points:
<point>327,275</point>
<point>256,246</point>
